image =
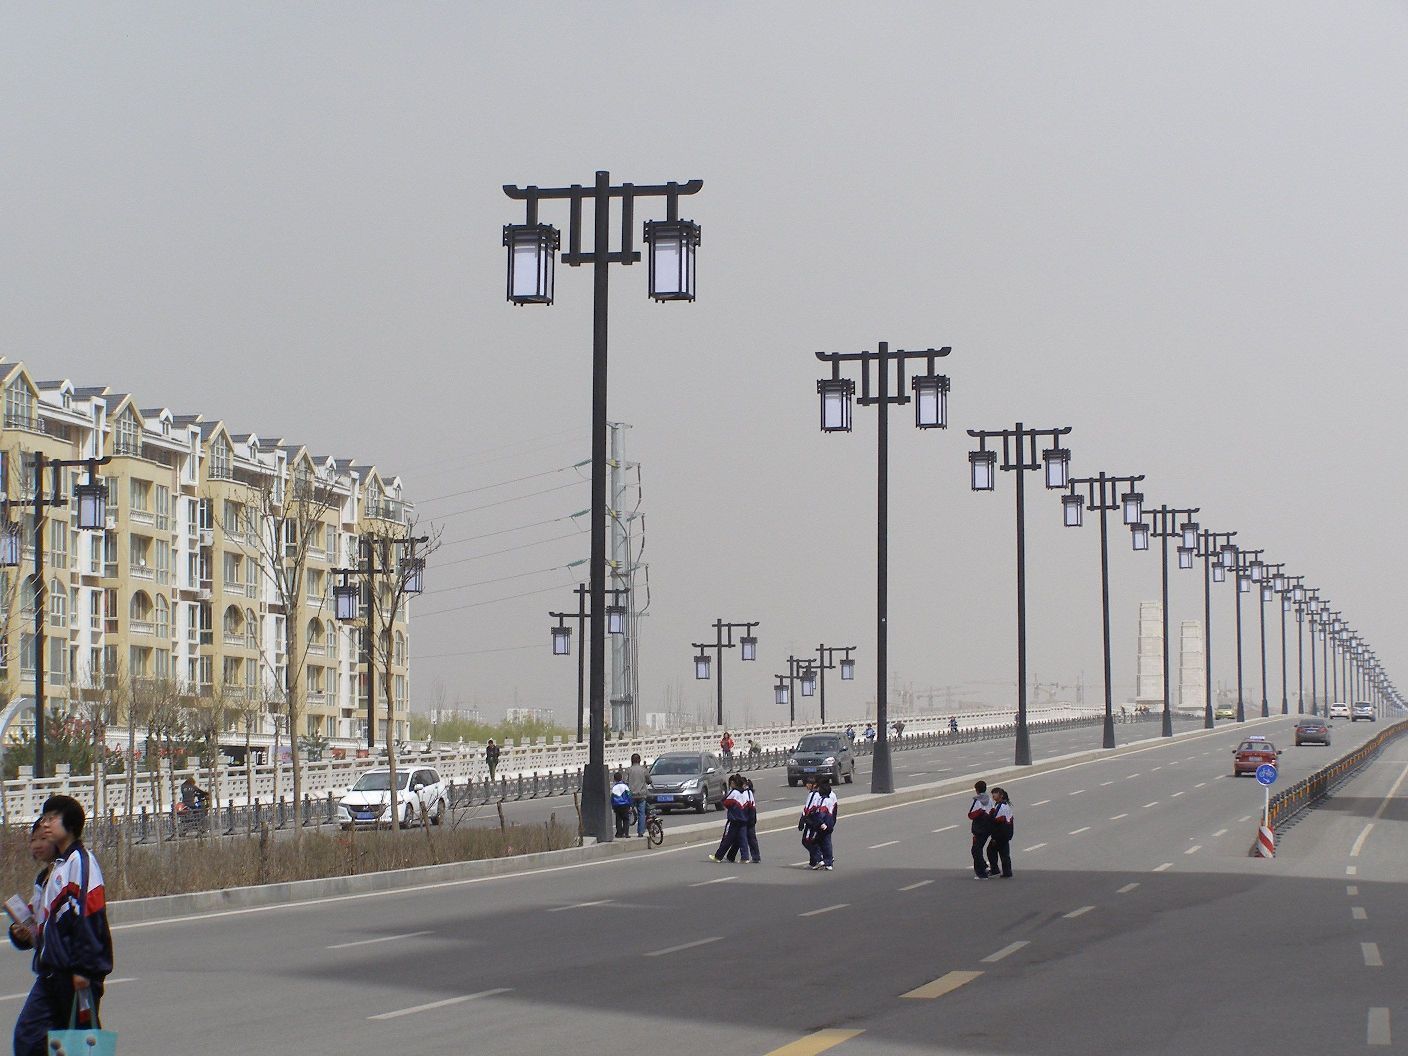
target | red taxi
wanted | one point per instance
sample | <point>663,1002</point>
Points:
<point>1251,753</point>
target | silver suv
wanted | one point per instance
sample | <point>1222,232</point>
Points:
<point>686,779</point>
<point>822,753</point>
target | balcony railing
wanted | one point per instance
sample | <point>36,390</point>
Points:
<point>142,626</point>
<point>137,516</point>
<point>15,420</point>
<point>143,572</point>
<point>234,639</point>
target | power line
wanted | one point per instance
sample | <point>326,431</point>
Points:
<point>503,579</point>
<point>490,601</point>
<point>517,528</point>
<point>559,437</point>
<point>478,652</point>
<point>507,550</point>
<point>504,483</point>
<point>515,498</point>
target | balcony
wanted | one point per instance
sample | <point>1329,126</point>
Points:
<point>141,626</point>
<point>29,423</point>
<point>137,516</point>
<point>316,697</point>
<point>143,572</point>
<point>234,639</point>
<point>317,649</point>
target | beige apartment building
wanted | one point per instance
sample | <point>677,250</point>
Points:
<point>188,588</point>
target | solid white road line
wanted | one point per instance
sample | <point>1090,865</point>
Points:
<point>1161,868</point>
<point>1357,913</point>
<point>877,846</point>
<point>1006,951</point>
<point>584,905</point>
<point>384,938</point>
<point>911,887</point>
<point>1077,832</point>
<point>1194,849</point>
<point>946,828</point>
<point>440,1004</point>
<point>1379,1027</point>
<point>1077,912</point>
<point>1041,802</point>
<point>1371,955</point>
<point>1118,816</point>
<point>1033,847</point>
<point>1359,843</point>
<point>702,883</point>
<point>823,909</point>
<point>1127,888</point>
<point>685,946</point>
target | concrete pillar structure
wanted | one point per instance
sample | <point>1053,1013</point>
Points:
<point>1192,668</point>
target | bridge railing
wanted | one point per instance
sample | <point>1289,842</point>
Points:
<point>1305,793</point>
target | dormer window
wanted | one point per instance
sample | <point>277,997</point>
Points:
<point>165,427</point>
<point>220,460</point>
<point>128,435</point>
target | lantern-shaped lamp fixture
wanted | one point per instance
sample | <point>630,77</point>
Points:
<point>930,401</point>
<point>748,647</point>
<point>982,467</point>
<point>1072,507</point>
<point>1058,466</point>
<point>346,601</point>
<point>1278,581</point>
<point>92,506</point>
<point>532,259</point>
<point>780,693</point>
<point>413,574</point>
<point>1227,554</point>
<point>1189,531</point>
<point>561,640</point>
<point>1244,585</point>
<point>701,665</point>
<point>10,545</point>
<point>616,620</point>
<point>848,669</point>
<point>1266,592</point>
<point>1297,593</point>
<point>1255,569</point>
<point>672,244</point>
<point>1286,603</point>
<point>1219,573</point>
<point>1132,502</point>
<point>836,396</point>
<point>1185,557</point>
<point>1139,535</point>
<point>809,682</point>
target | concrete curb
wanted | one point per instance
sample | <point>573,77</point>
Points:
<point>170,907</point>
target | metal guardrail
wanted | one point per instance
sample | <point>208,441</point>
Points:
<point>151,828</point>
<point>1305,793</point>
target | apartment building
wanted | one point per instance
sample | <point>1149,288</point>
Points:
<point>214,539</point>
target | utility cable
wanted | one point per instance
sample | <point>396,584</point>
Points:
<point>502,483</point>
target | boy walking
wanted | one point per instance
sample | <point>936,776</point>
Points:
<point>980,814</point>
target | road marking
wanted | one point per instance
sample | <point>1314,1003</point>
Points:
<point>1357,913</point>
<point>1351,870</point>
<point>816,1043</point>
<point>1351,889</point>
<point>911,887</point>
<point>795,864</point>
<point>384,938</point>
<point>1076,792</point>
<point>1041,802</point>
<point>1194,849</point>
<point>1378,1027</point>
<point>1153,804</point>
<point>1118,816</point>
<point>1175,795</point>
<point>1359,843</point>
<point>824,909</point>
<point>1006,951</point>
<point>703,883</point>
<point>1131,777</point>
<point>1200,784</point>
<point>1153,769</point>
<point>1077,832</point>
<point>440,1004</point>
<point>1077,912</point>
<point>598,902</point>
<point>1104,783</point>
<point>1244,817</point>
<point>685,946</point>
<point>877,846</point>
<point>1127,888</point>
<point>946,828</point>
<point>109,982</point>
<point>1371,955</point>
<point>1033,847</point>
<point>1219,832</point>
<point>1161,868</point>
<point>944,984</point>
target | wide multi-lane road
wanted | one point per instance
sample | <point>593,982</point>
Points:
<point>1135,922</point>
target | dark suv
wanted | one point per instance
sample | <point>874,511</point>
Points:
<point>822,753</point>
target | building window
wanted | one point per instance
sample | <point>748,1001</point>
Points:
<point>162,611</point>
<point>234,570</point>
<point>58,604</point>
<point>161,495</point>
<point>220,460</point>
<point>128,435</point>
<point>140,494</point>
<point>19,406</point>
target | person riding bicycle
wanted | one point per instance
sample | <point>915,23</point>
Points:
<point>952,725</point>
<point>193,797</point>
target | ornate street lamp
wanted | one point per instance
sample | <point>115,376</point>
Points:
<point>930,401</point>
<point>848,670</point>
<point>672,244</point>
<point>347,602</point>
<point>1058,467</point>
<point>615,619</point>
<point>1139,535</point>
<point>413,575</point>
<point>1072,509</point>
<point>92,506</point>
<point>779,693</point>
<point>10,545</point>
<point>532,258</point>
<point>562,641</point>
<point>836,396</point>
<point>983,469</point>
<point>1185,557</point>
<point>748,647</point>
<point>701,665</point>
<point>1132,503</point>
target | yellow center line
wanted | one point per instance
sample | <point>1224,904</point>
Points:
<point>815,1043</point>
<point>942,985</point>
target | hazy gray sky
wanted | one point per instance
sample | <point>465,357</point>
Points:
<point>1178,228</point>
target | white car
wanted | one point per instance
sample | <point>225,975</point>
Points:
<point>1339,711</point>
<point>420,794</point>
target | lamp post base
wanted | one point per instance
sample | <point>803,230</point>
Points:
<point>1108,741</point>
<point>882,778</point>
<point>595,815</point>
<point>1023,755</point>
<point>1168,723</point>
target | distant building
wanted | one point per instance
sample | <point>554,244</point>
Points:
<point>1192,667</point>
<point>523,715</point>
<point>460,714</point>
<point>1151,654</point>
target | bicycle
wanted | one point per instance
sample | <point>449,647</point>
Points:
<point>654,830</point>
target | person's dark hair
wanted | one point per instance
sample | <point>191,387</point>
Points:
<point>69,812</point>
<point>823,785</point>
<point>1003,792</point>
<point>980,787</point>
<point>34,829</point>
<point>618,775</point>
<point>635,758</point>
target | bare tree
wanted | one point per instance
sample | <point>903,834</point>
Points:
<point>288,518</point>
<point>390,547</point>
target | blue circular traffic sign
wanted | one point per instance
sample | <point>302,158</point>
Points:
<point>1266,774</point>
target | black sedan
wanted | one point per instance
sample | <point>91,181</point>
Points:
<point>1312,731</point>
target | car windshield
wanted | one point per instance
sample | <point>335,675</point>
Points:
<point>818,744</point>
<point>379,781</point>
<point>1308,723</point>
<point>676,764</point>
<point>1256,746</point>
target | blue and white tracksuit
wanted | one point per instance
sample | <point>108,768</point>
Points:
<point>818,821</point>
<point>732,841</point>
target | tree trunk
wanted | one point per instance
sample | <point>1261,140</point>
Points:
<point>293,686</point>
<point>390,722</point>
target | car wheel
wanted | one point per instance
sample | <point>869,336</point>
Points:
<point>703,799</point>
<point>792,782</point>
<point>439,816</point>
<point>851,774</point>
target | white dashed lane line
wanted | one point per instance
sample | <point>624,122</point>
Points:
<point>1127,888</point>
<point>877,846</point>
<point>946,828</point>
<point>1219,832</point>
<point>1118,816</point>
<point>1200,784</point>
<point>1161,868</point>
<point>911,887</point>
<point>1351,870</point>
<point>1077,912</point>
<point>1351,889</point>
<point>1033,847</point>
<point>685,946</point>
<point>824,909</point>
<point>1378,1031</point>
<point>716,880</point>
<point>440,1004</point>
<point>1175,795</point>
<point>1357,913</point>
<point>599,902</point>
<point>1077,792</point>
<point>1077,832</point>
<point>1041,802</point>
<point>1153,804</point>
<point>1006,951</point>
<point>1372,959</point>
<point>1194,849</point>
<point>1104,783</point>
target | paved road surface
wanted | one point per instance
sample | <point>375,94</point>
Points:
<point>1135,923</point>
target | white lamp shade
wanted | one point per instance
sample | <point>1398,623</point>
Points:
<point>748,647</point>
<point>346,601</point>
<point>616,620</point>
<point>672,244</point>
<point>10,546</point>
<point>1227,554</point>
<point>1139,535</point>
<point>930,401</point>
<point>1058,466</point>
<point>561,641</point>
<point>1244,585</point>
<point>92,507</point>
<point>1279,582</point>
<point>1266,592</point>
<point>1189,531</point>
<point>835,396</point>
<point>983,469</point>
<point>1219,573</point>
<point>780,693</point>
<point>809,684</point>
<point>413,571</point>
<point>1297,594</point>
<point>701,666</point>
<point>1285,604</point>
<point>1185,557</point>
<point>1132,502</point>
<point>1073,510</point>
<point>532,260</point>
<point>848,670</point>
<point>1255,569</point>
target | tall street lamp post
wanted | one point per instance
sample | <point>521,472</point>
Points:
<point>532,250</point>
<point>1240,564</point>
<point>747,646</point>
<point>930,398</point>
<point>826,661</point>
<point>1165,523</point>
<point>1208,548</point>
<point>1019,456</point>
<point>1278,589</point>
<point>562,635</point>
<point>92,500</point>
<point>1261,576</point>
<point>1103,495</point>
<point>1311,610</point>
<point>1294,596</point>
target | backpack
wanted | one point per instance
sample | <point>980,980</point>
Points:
<point>620,799</point>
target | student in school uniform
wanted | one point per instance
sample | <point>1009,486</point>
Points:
<point>819,821</point>
<point>734,804</point>
<point>1000,842</point>
<point>621,805</point>
<point>980,813</point>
